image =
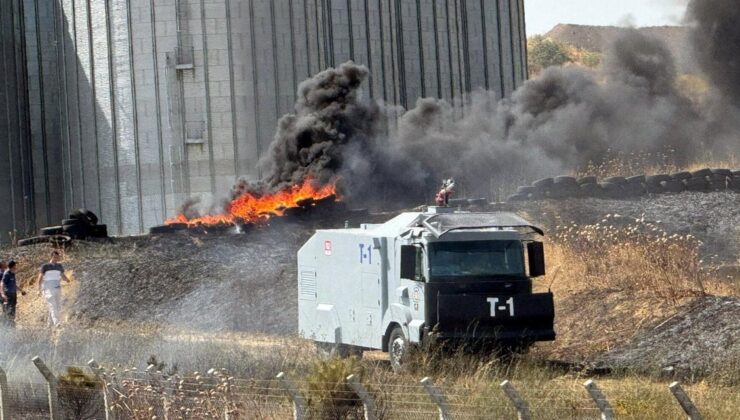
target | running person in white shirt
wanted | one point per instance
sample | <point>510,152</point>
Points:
<point>50,286</point>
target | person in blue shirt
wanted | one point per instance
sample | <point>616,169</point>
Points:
<point>9,293</point>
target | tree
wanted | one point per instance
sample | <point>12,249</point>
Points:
<point>545,52</point>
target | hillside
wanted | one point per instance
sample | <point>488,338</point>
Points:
<point>598,39</point>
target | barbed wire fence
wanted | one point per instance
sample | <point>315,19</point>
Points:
<point>94,392</point>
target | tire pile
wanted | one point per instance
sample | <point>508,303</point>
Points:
<point>81,224</point>
<point>617,187</point>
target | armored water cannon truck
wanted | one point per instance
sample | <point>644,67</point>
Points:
<point>454,276</point>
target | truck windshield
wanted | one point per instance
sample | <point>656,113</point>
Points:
<point>476,258</point>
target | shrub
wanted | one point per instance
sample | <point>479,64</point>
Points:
<point>329,396</point>
<point>545,52</point>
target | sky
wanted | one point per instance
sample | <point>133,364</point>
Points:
<point>543,15</point>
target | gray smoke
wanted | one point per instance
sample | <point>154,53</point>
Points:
<point>716,39</point>
<point>562,120</point>
<point>716,42</point>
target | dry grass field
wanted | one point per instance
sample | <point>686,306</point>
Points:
<point>626,289</point>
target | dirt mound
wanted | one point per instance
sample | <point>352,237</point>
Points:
<point>703,338</point>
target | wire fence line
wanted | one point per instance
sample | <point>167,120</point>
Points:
<point>94,392</point>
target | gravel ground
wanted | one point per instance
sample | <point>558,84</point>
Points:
<point>714,218</point>
<point>702,339</point>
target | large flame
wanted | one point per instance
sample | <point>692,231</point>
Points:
<point>253,208</point>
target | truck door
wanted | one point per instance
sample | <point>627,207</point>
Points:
<point>370,316</point>
<point>411,292</point>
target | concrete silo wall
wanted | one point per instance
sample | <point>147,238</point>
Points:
<point>16,189</point>
<point>137,104</point>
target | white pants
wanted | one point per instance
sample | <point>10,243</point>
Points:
<point>54,301</point>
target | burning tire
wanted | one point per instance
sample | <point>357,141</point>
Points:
<point>171,228</point>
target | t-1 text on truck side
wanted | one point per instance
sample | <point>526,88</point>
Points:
<point>454,276</point>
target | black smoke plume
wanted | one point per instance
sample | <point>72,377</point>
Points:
<point>558,122</point>
<point>329,120</point>
<point>716,39</point>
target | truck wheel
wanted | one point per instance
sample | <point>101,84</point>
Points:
<point>398,347</point>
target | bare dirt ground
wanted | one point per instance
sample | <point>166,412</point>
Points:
<point>245,283</point>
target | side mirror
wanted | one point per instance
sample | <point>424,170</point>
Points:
<point>408,262</point>
<point>536,256</point>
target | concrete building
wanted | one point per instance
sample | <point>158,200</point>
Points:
<point>127,107</point>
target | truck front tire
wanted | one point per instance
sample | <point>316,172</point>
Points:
<point>398,347</point>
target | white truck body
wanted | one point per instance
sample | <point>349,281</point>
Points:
<point>351,289</point>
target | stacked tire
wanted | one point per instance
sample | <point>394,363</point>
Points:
<point>617,187</point>
<point>80,224</point>
<point>83,224</point>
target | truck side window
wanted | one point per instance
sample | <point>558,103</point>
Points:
<point>419,274</point>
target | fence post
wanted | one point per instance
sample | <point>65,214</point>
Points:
<point>438,398</point>
<point>109,415</point>
<point>688,406</point>
<point>51,384</point>
<point>4,408</point>
<point>607,413</point>
<point>299,403</point>
<point>522,408</point>
<point>367,401</point>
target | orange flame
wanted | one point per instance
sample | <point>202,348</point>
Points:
<point>252,208</point>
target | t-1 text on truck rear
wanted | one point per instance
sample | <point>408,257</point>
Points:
<point>454,276</point>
